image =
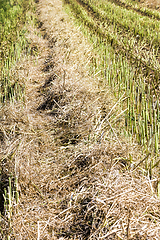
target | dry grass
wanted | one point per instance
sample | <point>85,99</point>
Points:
<point>74,174</point>
<point>155,4</point>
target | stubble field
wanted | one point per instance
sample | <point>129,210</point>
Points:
<point>79,120</point>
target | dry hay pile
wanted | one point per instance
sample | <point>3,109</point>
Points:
<point>75,177</point>
<point>155,4</point>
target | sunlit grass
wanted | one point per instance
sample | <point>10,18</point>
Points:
<point>15,49</point>
<point>14,19</point>
<point>124,75</point>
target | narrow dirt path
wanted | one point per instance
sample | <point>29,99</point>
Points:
<point>74,183</point>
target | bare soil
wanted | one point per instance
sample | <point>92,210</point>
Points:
<point>75,177</point>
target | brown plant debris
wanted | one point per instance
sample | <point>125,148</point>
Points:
<point>74,173</point>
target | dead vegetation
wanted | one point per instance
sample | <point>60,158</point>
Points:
<point>155,4</point>
<point>77,178</point>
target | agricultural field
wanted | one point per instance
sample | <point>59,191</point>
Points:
<point>127,38</point>
<point>80,119</point>
<point>13,18</point>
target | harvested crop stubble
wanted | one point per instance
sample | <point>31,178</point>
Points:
<point>151,3</point>
<point>73,183</point>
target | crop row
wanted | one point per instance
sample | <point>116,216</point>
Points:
<point>146,57</point>
<point>144,11</point>
<point>127,34</point>
<point>144,27</point>
<point>126,77</point>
